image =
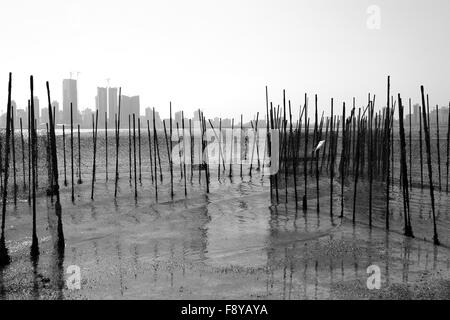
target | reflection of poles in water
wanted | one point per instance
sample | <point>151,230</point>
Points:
<point>23,154</point>
<point>430,171</point>
<point>4,256</point>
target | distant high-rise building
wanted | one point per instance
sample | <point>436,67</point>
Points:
<point>128,106</point>
<point>416,113</point>
<point>112,106</point>
<point>149,117</point>
<point>21,113</point>
<point>86,118</point>
<point>14,110</point>
<point>177,118</point>
<point>70,95</point>
<point>55,106</point>
<point>135,106</point>
<point>44,116</point>
<point>101,104</point>
<point>36,109</point>
<point>125,110</point>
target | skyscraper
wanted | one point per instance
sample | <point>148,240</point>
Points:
<point>101,104</point>
<point>112,106</point>
<point>125,110</point>
<point>36,109</point>
<point>70,96</point>
<point>55,106</point>
<point>135,106</point>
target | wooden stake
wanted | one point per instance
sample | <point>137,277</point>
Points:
<point>64,156</point>
<point>23,154</point>
<point>13,142</point>
<point>438,147</point>
<point>184,152</point>
<point>134,155</point>
<point>71,147</point>
<point>4,255</point>
<point>129,146</point>
<point>430,170</point>
<point>448,147</point>
<point>117,120</point>
<point>155,142</point>
<point>404,169</point>
<point>139,149</point>
<point>94,129</point>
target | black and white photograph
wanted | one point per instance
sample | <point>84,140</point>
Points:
<point>205,151</point>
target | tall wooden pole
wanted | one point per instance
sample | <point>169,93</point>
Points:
<point>4,255</point>
<point>430,170</point>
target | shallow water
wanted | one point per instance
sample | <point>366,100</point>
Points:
<point>231,243</point>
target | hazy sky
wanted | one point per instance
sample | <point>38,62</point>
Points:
<point>219,55</point>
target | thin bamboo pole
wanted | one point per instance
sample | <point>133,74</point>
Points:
<point>94,129</point>
<point>430,170</point>
<point>4,255</point>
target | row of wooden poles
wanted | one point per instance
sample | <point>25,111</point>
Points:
<point>367,140</point>
<point>33,165</point>
<point>367,147</point>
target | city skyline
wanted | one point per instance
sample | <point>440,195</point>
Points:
<point>220,60</point>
